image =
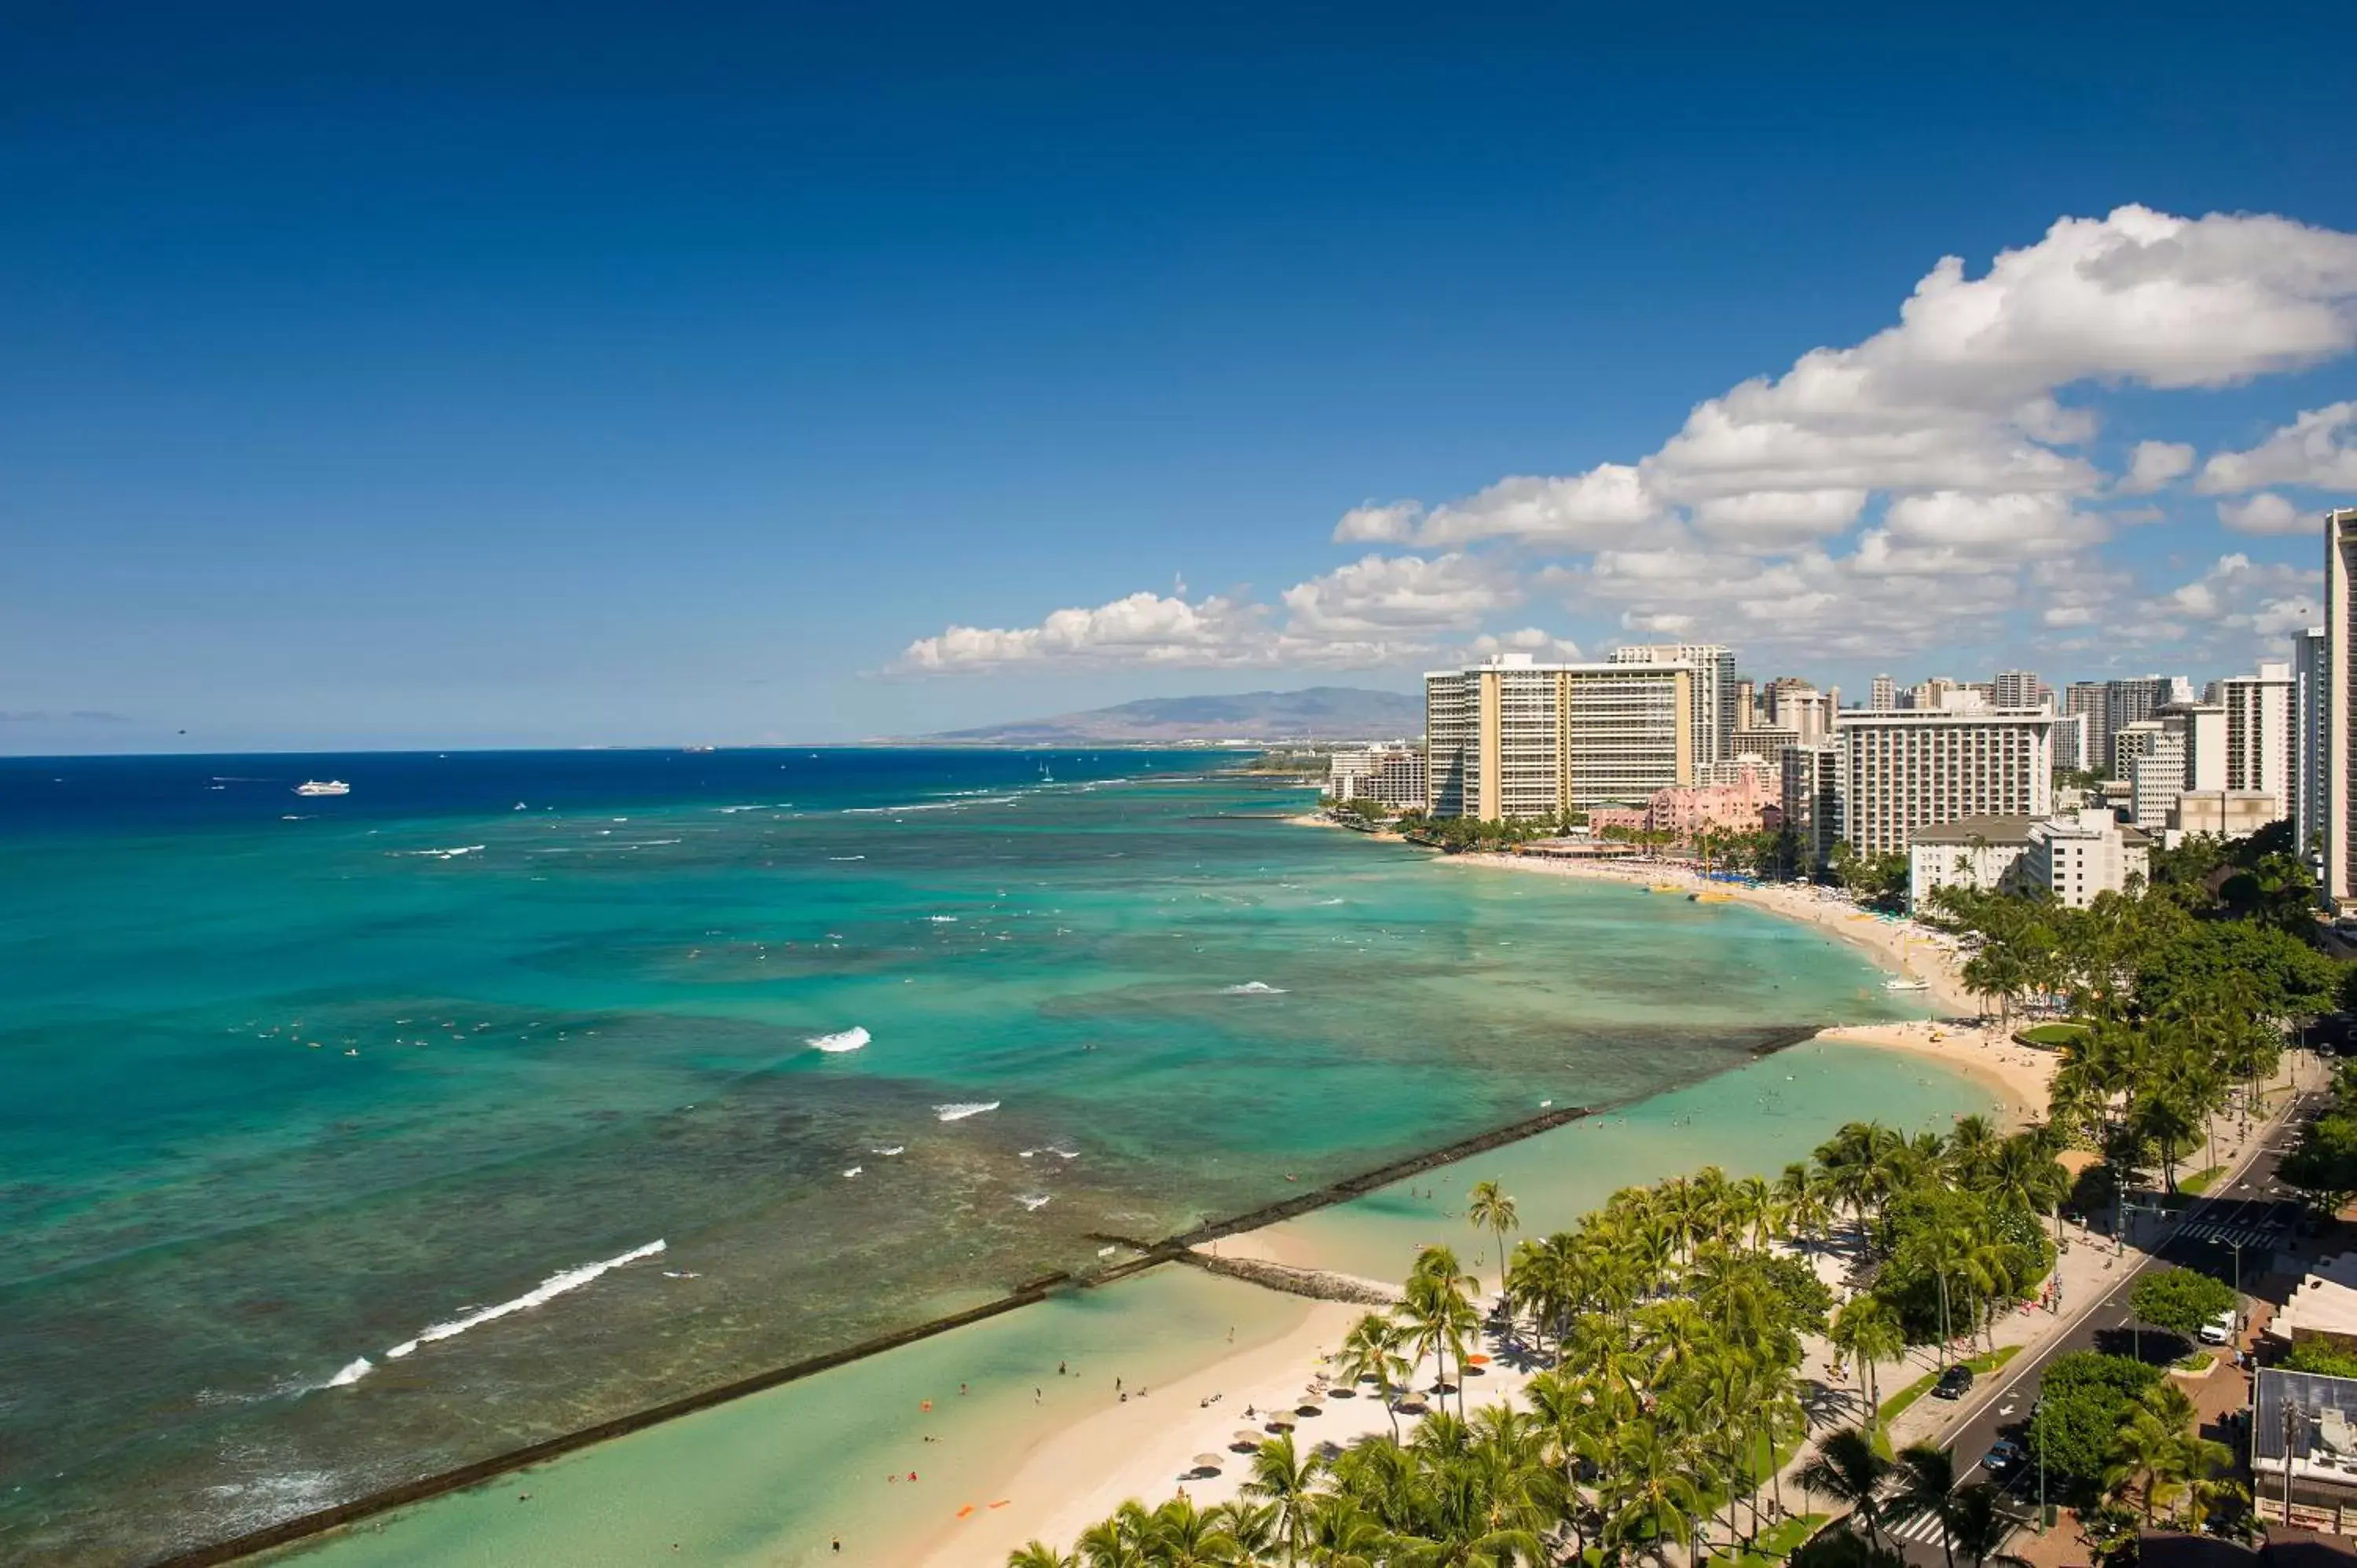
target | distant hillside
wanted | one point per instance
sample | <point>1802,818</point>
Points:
<point>1326,712</point>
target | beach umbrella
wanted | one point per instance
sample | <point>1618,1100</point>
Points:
<point>1477,1360</point>
<point>1209,1461</point>
<point>1248,1438</point>
<point>1281,1418</point>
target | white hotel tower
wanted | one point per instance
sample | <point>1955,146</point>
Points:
<point>2339,683</point>
<point>1920,768</point>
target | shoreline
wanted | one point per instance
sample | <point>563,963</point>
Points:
<point>1081,1470</point>
<point>1962,1038</point>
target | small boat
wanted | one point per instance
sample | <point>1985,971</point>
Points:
<point>1907,985</point>
<point>1712,897</point>
<point>1665,888</point>
<point>323,787</point>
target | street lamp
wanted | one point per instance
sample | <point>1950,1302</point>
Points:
<point>2237,1246</point>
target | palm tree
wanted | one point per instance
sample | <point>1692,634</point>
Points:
<point>1847,1470</point>
<point>1979,1528</point>
<point>1439,1312</point>
<point>1184,1536</point>
<point>1493,1210</point>
<point>1867,1332</point>
<point>2144,1459</point>
<point>1039,1554</point>
<point>1283,1476</point>
<point>1251,1527</point>
<point>1972,1145</point>
<point>1652,1493</point>
<point>1119,1541</point>
<point>1370,1352</point>
<point>1927,1488</point>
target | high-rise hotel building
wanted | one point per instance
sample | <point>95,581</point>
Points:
<point>1512,738</point>
<point>2340,789</point>
<point>1920,768</point>
<point>2311,665</point>
<point>1718,710</point>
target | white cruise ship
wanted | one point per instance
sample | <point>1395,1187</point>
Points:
<point>323,787</point>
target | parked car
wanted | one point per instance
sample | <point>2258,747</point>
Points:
<point>2219,1329</point>
<point>1955,1383</point>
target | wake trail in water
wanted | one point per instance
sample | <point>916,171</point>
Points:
<point>851,1039</point>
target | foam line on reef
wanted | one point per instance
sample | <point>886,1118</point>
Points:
<point>1148,1255</point>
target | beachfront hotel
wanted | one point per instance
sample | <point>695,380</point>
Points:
<point>1917,769</point>
<point>1512,738</point>
<point>1391,776</point>
<point>2340,694</point>
<point>1717,715</point>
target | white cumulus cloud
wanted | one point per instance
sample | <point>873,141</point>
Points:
<point>1371,524</point>
<point>1606,505</point>
<point>1140,629</point>
<point>2269,513</point>
<point>2154,464</point>
<point>1380,594</point>
<point>2318,450</point>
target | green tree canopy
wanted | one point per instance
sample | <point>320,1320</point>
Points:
<point>2179,1300</point>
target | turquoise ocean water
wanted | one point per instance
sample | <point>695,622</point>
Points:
<point>324,1115</point>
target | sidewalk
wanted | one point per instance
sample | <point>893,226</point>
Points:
<point>2088,1270</point>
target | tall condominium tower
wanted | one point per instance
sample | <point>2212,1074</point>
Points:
<point>2261,754</point>
<point>2016,689</point>
<point>1717,714</point>
<point>1882,696</point>
<point>1511,737</point>
<point>2089,699</point>
<point>2132,701</point>
<point>2309,666</point>
<point>1906,770</point>
<point>2339,789</point>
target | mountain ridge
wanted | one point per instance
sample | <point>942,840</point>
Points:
<point>1319,713</point>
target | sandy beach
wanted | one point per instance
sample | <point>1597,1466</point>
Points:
<point>1960,1036</point>
<point>1145,1448</point>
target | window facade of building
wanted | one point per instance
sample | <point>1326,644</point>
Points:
<point>1907,770</point>
<point>1512,738</point>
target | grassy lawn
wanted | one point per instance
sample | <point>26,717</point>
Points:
<point>2051,1035</point>
<point>1774,1544</point>
<point>2198,1182</point>
<point>2200,1361</point>
<point>1896,1406</point>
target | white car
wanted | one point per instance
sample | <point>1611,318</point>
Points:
<point>2219,1329</point>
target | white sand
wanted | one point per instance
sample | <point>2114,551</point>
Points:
<point>1143,1448</point>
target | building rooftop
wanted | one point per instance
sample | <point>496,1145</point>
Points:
<point>2321,1424</point>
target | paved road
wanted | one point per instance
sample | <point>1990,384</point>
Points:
<point>2250,1213</point>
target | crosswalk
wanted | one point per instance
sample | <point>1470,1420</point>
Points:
<point>1923,1530</point>
<point>2231,1235</point>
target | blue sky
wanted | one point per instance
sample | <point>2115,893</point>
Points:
<point>458,376</point>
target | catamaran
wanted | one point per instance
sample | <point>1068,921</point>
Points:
<point>323,787</point>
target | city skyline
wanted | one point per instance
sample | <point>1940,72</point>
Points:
<point>808,380</point>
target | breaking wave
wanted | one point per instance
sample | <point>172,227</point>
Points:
<point>547,1290</point>
<point>358,1367</point>
<point>851,1039</point>
<point>961,1109</point>
<point>1252,988</point>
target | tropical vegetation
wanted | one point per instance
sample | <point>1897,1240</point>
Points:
<point>1669,1326</point>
